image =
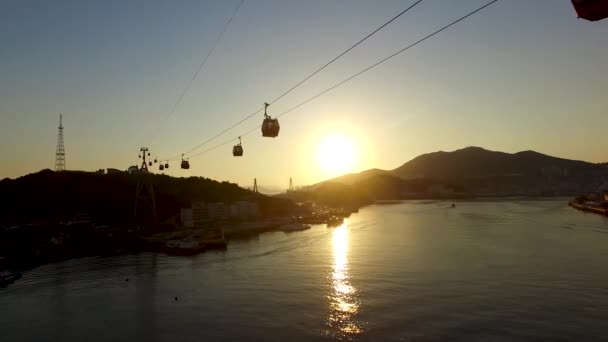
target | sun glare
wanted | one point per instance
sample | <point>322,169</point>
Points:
<point>337,154</point>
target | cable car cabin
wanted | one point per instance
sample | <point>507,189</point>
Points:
<point>155,161</point>
<point>237,150</point>
<point>270,127</point>
<point>161,167</point>
<point>592,10</point>
<point>166,165</point>
<point>185,164</point>
<point>149,163</point>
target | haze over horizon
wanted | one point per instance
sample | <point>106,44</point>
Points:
<point>517,76</point>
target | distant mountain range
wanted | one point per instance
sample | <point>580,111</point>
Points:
<point>474,171</point>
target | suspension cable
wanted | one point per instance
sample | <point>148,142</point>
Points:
<point>200,66</point>
<point>307,77</point>
<point>358,73</point>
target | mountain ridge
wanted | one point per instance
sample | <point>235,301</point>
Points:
<point>474,171</point>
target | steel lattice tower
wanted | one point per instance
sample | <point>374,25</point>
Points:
<point>60,152</point>
<point>144,192</point>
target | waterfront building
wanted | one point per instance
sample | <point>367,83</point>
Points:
<point>200,214</point>
<point>187,217</point>
<point>218,210</point>
<point>244,209</point>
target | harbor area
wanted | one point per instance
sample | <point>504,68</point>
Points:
<point>594,202</point>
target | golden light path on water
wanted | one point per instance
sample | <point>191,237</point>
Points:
<point>343,298</point>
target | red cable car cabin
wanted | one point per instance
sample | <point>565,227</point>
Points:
<point>592,10</point>
<point>270,126</point>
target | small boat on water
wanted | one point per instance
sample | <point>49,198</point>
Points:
<point>334,221</point>
<point>182,247</point>
<point>215,243</point>
<point>219,242</point>
<point>453,205</point>
<point>294,227</point>
<point>7,278</point>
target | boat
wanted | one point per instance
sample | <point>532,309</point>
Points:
<point>7,277</point>
<point>182,247</point>
<point>453,205</point>
<point>216,243</point>
<point>312,220</point>
<point>334,221</point>
<point>294,227</point>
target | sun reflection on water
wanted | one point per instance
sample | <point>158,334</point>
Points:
<point>343,303</point>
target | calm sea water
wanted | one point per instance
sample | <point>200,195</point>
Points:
<point>417,271</point>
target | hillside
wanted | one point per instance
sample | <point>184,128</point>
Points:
<point>110,197</point>
<point>476,162</point>
<point>352,178</point>
<point>477,171</point>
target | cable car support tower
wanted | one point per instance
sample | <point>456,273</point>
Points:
<point>144,192</point>
<point>60,151</point>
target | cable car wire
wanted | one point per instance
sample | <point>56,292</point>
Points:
<point>386,59</point>
<point>345,52</point>
<point>356,74</point>
<point>307,77</point>
<point>202,64</point>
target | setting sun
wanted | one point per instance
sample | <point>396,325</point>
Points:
<point>337,154</point>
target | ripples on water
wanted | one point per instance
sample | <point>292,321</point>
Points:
<point>344,302</point>
<point>418,271</point>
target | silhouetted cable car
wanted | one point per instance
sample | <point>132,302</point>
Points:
<point>149,163</point>
<point>161,167</point>
<point>270,126</point>
<point>166,165</point>
<point>185,164</point>
<point>592,10</point>
<point>155,160</point>
<point>237,150</point>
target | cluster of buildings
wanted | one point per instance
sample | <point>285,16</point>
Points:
<point>201,214</point>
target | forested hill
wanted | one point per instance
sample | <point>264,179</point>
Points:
<point>110,197</point>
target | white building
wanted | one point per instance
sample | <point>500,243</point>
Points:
<point>218,210</point>
<point>200,214</point>
<point>244,209</point>
<point>187,217</point>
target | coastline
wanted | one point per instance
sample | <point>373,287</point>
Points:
<point>588,208</point>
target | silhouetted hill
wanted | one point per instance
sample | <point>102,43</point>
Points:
<point>476,162</point>
<point>477,171</point>
<point>110,197</point>
<point>351,178</point>
<point>389,187</point>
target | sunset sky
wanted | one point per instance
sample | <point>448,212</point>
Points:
<point>519,75</point>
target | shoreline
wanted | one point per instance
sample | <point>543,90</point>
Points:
<point>588,208</point>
